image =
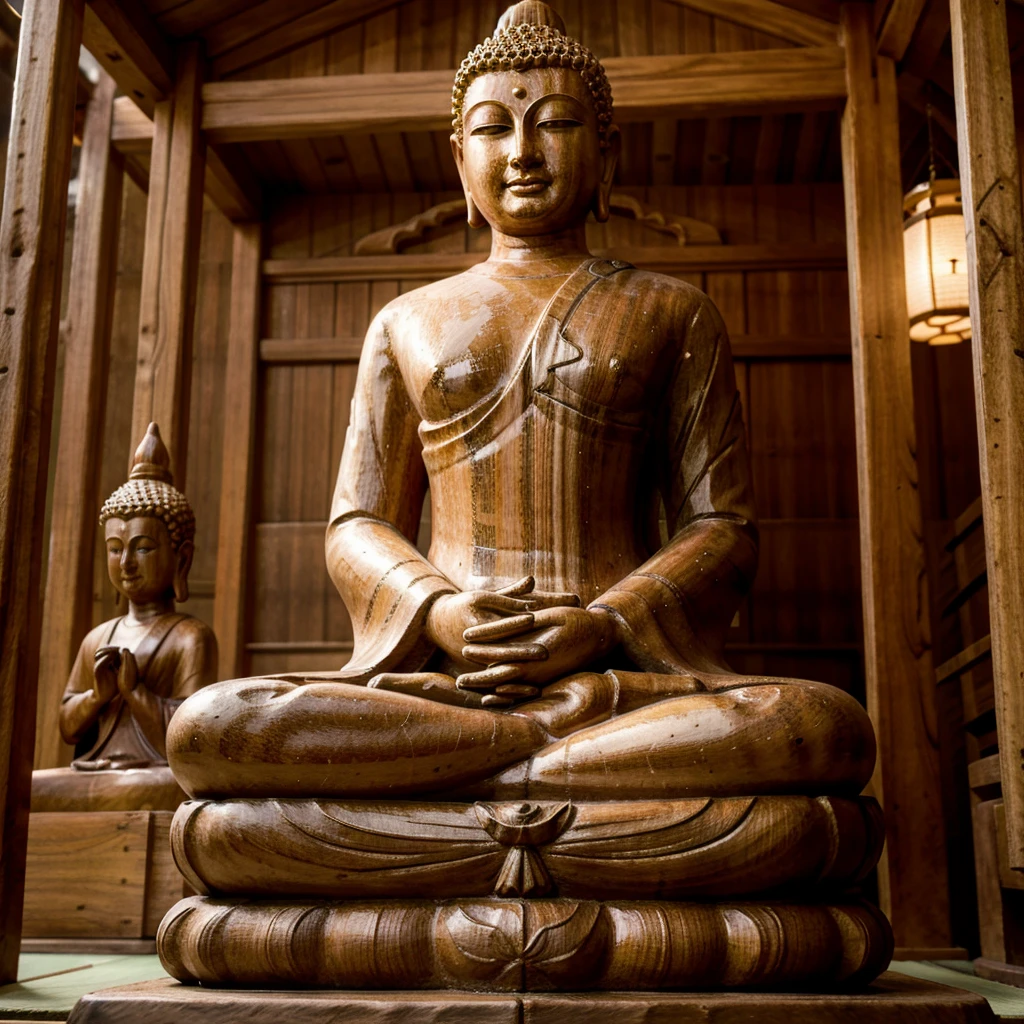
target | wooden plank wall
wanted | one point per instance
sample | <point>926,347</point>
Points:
<point>803,616</point>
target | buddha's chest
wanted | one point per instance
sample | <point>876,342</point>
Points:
<point>605,353</point>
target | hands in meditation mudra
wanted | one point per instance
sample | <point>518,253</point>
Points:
<point>540,707</point>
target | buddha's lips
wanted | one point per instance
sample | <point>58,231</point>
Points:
<point>527,186</point>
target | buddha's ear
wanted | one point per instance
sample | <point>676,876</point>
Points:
<point>473,215</point>
<point>609,160</point>
<point>183,555</point>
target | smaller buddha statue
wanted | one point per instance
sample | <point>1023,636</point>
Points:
<point>133,672</point>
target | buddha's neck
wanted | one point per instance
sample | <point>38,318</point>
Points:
<point>568,244</point>
<point>146,611</point>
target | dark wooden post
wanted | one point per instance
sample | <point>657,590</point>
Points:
<point>170,269</point>
<point>67,608</point>
<point>239,440</point>
<point>900,681</point>
<point>990,175</point>
<point>31,256</point>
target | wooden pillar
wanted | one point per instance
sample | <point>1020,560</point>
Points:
<point>67,607</point>
<point>913,880</point>
<point>239,440</point>
<point>990,176</point>
<point>170,268</point>
<point>31,257</point>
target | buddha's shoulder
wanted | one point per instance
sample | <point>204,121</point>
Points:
<point>679,297</point>
<point>423,301</point>
<point>194,633</point>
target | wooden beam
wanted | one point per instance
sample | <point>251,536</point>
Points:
<point>665,259</point>
<point>236,502</point>
<point>230,182</point>
<point>767,16</point>
<point>295,32</point>
<point>131,49</point>
<point>995,260</point>
<point>67,606</point>
<point>170,266</point>
<point>913,881</point>
<point>896,22</point>
<point>681,85</point>
<point>31,258</point>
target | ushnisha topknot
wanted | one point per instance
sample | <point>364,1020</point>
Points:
<point>150,492</point>
<point>531,35</point>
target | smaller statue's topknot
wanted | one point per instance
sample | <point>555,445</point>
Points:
<point>152,460</point>
<point>531,12</point>
<point>150,491</point>
<point>531,35</point>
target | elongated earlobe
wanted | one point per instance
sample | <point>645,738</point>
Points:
<point>181,571</point>
<point>610,157</point>
<point>473,215</point>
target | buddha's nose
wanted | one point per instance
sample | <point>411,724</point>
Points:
<point>526,153</point>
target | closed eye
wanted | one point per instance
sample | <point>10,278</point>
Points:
<point>559,122</point>
<point>491,129</point>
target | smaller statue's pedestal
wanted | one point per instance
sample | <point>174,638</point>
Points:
<point>892,999</point>
<point>100,874</point>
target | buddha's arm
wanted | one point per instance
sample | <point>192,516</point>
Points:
<point>189,655</point>
<point>386,584</point>
<point>673,611</point>
<point>81,704</point>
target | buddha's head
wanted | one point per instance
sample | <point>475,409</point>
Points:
<point>149,528</point>
<point>533,135</point>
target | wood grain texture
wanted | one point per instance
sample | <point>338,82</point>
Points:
<point>131,49</point>
<point>896,629</point>
<point>349,849</point>
<point>892,999</point>
<point>99,875</point>
<point>684,85</point>
<point>67,607</point>
<point>167,312</point>
<point>239,449</point>
<point>898,23</point>
<point>31,259</point>
<point>675,259</point>
<point>524,945</point>
<point>770,17</point>
<point>995,250</point>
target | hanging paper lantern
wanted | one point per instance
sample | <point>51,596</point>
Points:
<point>935,250</point>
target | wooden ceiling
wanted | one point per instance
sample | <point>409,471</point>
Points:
<point>248,40</point>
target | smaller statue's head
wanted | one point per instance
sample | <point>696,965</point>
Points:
<point>149,528</point>
<point>533,135</point>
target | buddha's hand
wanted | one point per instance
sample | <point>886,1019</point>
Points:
<point>128,674</point>
<point>104,669</point>
<point>562,641</point>
<point>501,614</point>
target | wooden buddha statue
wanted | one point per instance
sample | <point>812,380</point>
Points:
<point>537,720</point>
<point>133,672</point>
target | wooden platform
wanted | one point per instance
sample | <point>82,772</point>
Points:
<point>894,999</point>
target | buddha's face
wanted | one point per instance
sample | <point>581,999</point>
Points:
<point>530,158</point>
<point>141,561</point>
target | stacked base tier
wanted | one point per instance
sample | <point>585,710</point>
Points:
<point>527,896</point>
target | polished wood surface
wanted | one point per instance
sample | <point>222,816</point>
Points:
<point>893,999</point>
<point>32,247</point>
<point>67,608</point>
<point>912,876</point>
<point>132,672</point>
<point>533,945</point>
<point>554,646</point>
<point>995,239</point>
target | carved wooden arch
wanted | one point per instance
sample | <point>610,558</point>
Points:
<point>391,240</point>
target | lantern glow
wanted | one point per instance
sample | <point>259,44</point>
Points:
<point>935,251</point>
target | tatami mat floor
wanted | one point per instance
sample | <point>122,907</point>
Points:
<point>52,983</point>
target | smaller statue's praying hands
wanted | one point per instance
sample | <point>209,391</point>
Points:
<point>133,672</point>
